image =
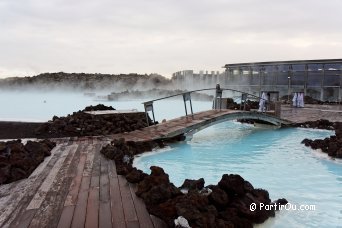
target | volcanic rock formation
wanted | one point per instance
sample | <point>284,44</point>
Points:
<point>84,124</point>
<point>18,161</point>
<point>224,205</point>
<point>331,145</point>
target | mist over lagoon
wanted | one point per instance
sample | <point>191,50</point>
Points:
<point>35,106</point>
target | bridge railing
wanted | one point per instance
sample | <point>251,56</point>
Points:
<point>148,105</point>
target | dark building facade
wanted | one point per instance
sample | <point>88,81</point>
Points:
<point>320,79</point>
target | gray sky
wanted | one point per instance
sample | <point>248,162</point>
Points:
<point>162,36</point>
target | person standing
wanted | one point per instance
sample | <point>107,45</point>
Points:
<point>262,102</point>
<point>301,100</point>
<point>295,100</point>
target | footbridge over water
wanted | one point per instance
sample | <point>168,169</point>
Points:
<point>193,122</point>
<point>201,120</point>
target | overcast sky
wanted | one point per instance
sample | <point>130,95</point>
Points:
<point>162,36</point>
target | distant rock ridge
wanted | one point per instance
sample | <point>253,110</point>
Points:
<point>156,93</point>
<point>84,81</point>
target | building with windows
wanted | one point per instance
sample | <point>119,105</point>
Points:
<point>319,79</point>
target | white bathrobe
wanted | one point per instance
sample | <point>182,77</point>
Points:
<point>262,102</point>
<point>294,100</point>
<point>301,100</point>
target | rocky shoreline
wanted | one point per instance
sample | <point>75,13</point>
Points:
<point>226,204</point>
<point>330,145</point>
<point>84,124</point>
<point>155,94</point>
<point>77,124</point>
<point>18,130</point>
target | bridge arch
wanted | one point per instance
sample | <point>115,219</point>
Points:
<point>190,124</point>
<point>206,119</point>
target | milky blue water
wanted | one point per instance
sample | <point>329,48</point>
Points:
<point>273,159</point>
<point>38,106</point>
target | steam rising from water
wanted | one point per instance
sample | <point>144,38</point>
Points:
<point>38,106</point>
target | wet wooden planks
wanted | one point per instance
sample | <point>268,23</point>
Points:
<point>76,187</point>
<point>19,194</point>
<point>169,127</point>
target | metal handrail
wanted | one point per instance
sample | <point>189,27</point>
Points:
<point>179,94</point>
<point>148,105</point>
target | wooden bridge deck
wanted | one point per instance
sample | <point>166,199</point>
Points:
<point>74,187</point>
<point>190,123</point>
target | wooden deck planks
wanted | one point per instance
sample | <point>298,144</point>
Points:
<point>66,217</point>
<point>6,191</point>
<point>76,182</point>
<point>53,202</point>
<point>80,212</point>
<point>82,189</point>
<point>105,219</point>
<point>118,217</point>
<point>25,219</point>
<point>140,208</point>
<point>92,217</point>
<point>127,201</point>
<point>171,127</point>
<point>39,197</point>
<point>88,166</point>
<point>21,192</point>
<point>83,173</point>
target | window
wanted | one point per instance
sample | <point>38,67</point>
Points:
<point>315,74</point>
<point>283,74</point>
<point>298,74</point>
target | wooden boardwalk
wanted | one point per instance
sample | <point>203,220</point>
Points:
<point>74,187</point>
<point>77,187</point>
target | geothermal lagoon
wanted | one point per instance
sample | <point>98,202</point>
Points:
<point>269,158</point>
<point>272,159</point>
